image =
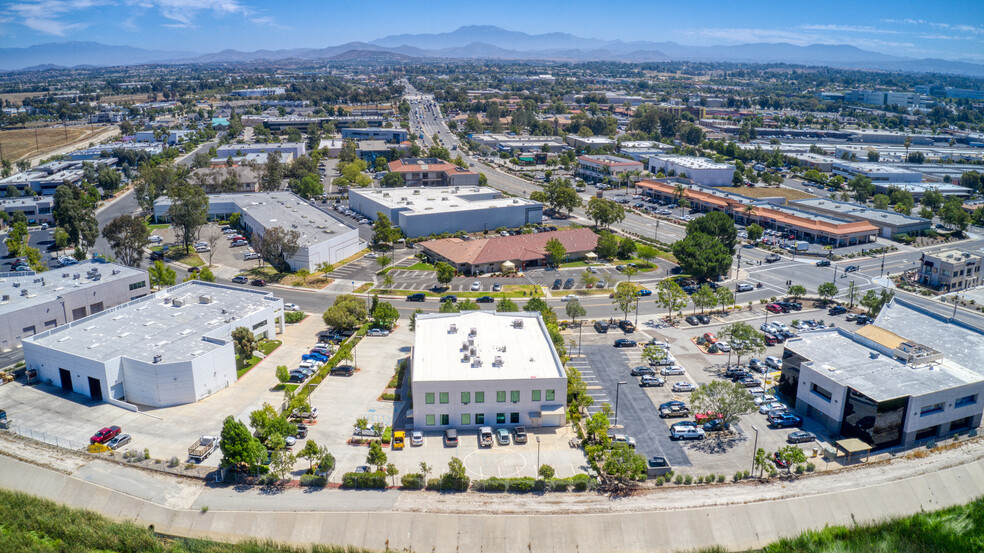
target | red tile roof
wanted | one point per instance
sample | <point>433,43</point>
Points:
<point>399,166</point>
<point>521,247</point>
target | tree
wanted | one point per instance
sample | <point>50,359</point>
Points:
<point>743,339</point>
<point>109,179</point>
<point>704,298</point>
<point>932,199</point>
<point>239,447</point>
<point>283,374</point>
<point>792,455</point>
<point>127,236</point>
<point>880,201</point>
<point>574,309</point>
<point>607,247</point>
<point>392,472</point>
<point>449,307</point>
<point>646,253</point>
<point>188,211</point>
<point>546,472</point>
<point>383,231</point>
<point>555,251</point>
<point>72,210</point>
<point>324,268</point>
<point>717,225</point>
<point>245,342</point>
<point>445,272</point>
<point>725,296</point>
<point>506,305</point>
<point>467,305</point>
<point>623,464</point>
<point>537,305</point>
<point>385,315</point>
<point>604,212</point>
<point>376,456</point>
<point>311,452</point>
<point>347,311</point>
<point>626,247</point>
<point>702,256</point>
<point>155,180</point>
<point>281,462</point>
<point>392,180</point>
<point>273,173</point>
<point>598,424</point>
<point>307,187</point>
<point>827,290</point>
<point>755,232</point>
<point>279,245</point>
<point>561,195</point>
<point>654,354</point>
<point>383,261</point>
<point>161,275</point>
<point>729,399</point>
<point>796,291</point>
<point>670,295</point>
<point>588,279</point>
<point>625,298</point>
<point>762,461</point>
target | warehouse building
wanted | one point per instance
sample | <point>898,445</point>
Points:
<point>426,211</point>
<point>393,134</point>
<point>698,169</point>
<point>876,172</point>
<point>481,368</point>
<point>37,209</point>
<point>323,238</point>
<point>169,348</point>
<point>883,384</point>
<point>521,144</point>
<point>288,150</point>
<point>890,223</point>
<point>31,303</point>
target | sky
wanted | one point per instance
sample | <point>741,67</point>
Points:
<point>949,29</point>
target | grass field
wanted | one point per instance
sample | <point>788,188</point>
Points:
<point>17,97</point>
<point>771,192</point>
<point>20,143</point>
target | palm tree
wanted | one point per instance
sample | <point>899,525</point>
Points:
<point>747,211</point>
<point>679,190</point>
<point>907,143</point>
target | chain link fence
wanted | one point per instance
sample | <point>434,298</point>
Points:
<point>47,438</point>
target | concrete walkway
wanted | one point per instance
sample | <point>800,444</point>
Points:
<point>371,523</point>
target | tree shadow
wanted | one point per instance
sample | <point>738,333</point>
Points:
<point>720,444</point>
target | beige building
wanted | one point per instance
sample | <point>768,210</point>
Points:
<point>950,270</point>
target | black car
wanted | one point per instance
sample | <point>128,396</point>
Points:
<point>704,319</point>
<point>416,297</point>
<point>823,263</point>
<point>344,370</point>
<point>450,297</point>
<point>626,326</point>
<point>569,284</point>
<point>557,284</point>
<point>737,376</point>
<point>792,305</point>
<point>862,320</point>
<point>625,343</point>
<point>642,370</point>
<point>837,310</point>
<point>693,320</point>
<point>601,327</point>
<point>851,269</point>
<point>485,299</point>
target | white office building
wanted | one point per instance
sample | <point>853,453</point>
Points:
<point>169,348</point>
<point>31,303</point>
<point>426,211</point>
<point>323,238</point>
<point>258,92</point>
<point>698,169</point>
<point>288,150</point>
<point>482,368</point>
<point>876,172</point>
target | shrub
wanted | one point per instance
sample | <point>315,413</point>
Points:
<point>173,462</point>
<point>293,317</point>
<point>413,481</point>
<point>679,479</point>
<point>688,480</point>
<point>583,482</point>
<point>745,474</point>
<point>660,481</point>
<point>267,479</point>
<point>737,476</point>
<point>523,485</point>
<point>388,435</point>
<point>364,480</point>
<point>810,467</point>
<point>314,481</point>
<point>800,469</point>
<point>146,453</point>
<point>434,484</point>
<point>720,479</point>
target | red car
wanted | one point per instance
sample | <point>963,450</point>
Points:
<point>704,417</point>
<point>105,435</point>
<point>779,461</point>
<point>774,307</point>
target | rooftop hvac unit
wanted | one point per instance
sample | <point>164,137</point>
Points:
<point>497,362</point>
<point>472,351</point>
<point>517,323</point>
<point>204,299</point>
<point>65,275</point>
<point>176,302</point>
<point>76,276</point>
<point>464,346</point>
<point>465,358</point>
<point>471,341</point>
<point>167,301</point>
<point>24,292</point>
<point>473,332</point>
<point>158,358</point>
<point>5,297</point>
<point>476,362</point>
<point>16,285</point>
<point>453,329</point>
<point>873,354</point>
<point>116,271</point>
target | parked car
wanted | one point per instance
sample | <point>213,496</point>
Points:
<point>767,408</point>
<point>692,320</point>
<point>568,284</point>
<point>344,370</point>
<point>484,436</point>
<point>496,287</point>
<point>625,343</point>
<point>416,438</point>
<point>601,327</point>
<point>623,439</point>
<point>258,282</point>
<point>557,284</point>
<point>765,398</point>
<point>240,279</point>
<point>416,297</point>
<point>519,435</point>
<point>671,370</point>
<point>626,326</point>
<point>642,370</point>
<point>770,339</point>
<point>716,425</point>
<point>837,310</point>
<point>476,286</point>
<point>451,437</point>
<point>757,365</point>
<point>291,307</point>
<point>774,308</point>
<point>800,436</point>
<point>785,420</point>
<point>773,362</point>
<point>683,387</point>
<point>118,441</point>
<point>744,287</point>
<point>502,436</point>
<point>686,433</point>
<point>651,381</point>
<point>674,411</point>
<point>104,435</point>
<point>377,332</point>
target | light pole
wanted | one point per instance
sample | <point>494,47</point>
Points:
<point>580,331</point>
<point>755,447</point>
<point>656,232</point>
<point>882,273</point>
<point>537,456</point>
<point>617,389</point>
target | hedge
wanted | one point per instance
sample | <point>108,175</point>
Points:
<point>314,480</point>
<point>413,481</point>
<point>364,480</point>
<point>580,483</point>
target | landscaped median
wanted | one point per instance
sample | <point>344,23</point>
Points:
<point>508,291</point>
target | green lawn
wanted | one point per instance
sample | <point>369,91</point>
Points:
<point>421,266</point>
<point>581,263</point>
<point>266,347</point>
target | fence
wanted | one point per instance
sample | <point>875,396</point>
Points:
<point>47,438</point>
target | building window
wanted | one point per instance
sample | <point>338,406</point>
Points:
<point>823,393</point>
<point>465,419</point>
<point>931,410</point>
<point>514,418</point>
<point>259,324</point>
<point>445,420</point>
<point>430,420</point>
<point>479,397</point>
<point>466,397</point>
<point>536,395</point>
<point>429,398</point>
<point>479,418</point>
<point>550,395</point>
<point>965,401</point>
<point>500,396</point>
<point>514,396</point>
<point>500,418</point>
<point>137,285</point>
<point>445,398</point>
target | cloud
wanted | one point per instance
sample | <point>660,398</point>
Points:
<point>848,29</point>
<point>48,16</point>
<point>960,27</point>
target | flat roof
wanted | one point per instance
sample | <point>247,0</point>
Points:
<point>867,167</point>
<point>519,340</point>
<point>856,210</point>
<point>153,325</point>
<point>837,355</point>
<point>421,200</point>
<point>45,287</point>
<point>960,339</point>
<point>694,162</point>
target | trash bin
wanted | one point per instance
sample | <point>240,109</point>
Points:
<point>816,451</point>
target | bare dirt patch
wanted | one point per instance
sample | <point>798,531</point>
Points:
<point>21,143</point>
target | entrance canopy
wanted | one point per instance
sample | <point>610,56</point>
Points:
<point>508,266</point>
<point>852,446</point>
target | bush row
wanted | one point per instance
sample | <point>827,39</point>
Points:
<point>364,480</point>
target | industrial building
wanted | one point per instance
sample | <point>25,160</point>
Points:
<point>950,270</point>
<point>885,384</point>
<point>890,222</point>
<point>508,253</point>
<point>323,238</point>
<point>288,150</point>
<point>259,92</point>
<point>31,303</point>
<point>588,143</point>
<point>482,368</point>
<point>876,172</point>
<point>37,209</point>
<point>430,171</point>
<point>521,144</point>
<point>392,134</point>
<point>169,348</point>
<point>698,169</point>
<point>425,211</point>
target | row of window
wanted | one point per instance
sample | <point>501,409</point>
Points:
<point>137,285</point>
<point>467,418</point>
<point>939,407</point>
<point>500,397</point>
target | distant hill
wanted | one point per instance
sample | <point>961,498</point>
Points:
<point>71,54</point>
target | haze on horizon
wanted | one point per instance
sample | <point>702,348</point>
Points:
<point>954,31</point>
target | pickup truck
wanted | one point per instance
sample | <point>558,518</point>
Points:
<point>203,448</point>
<point>105,435</point>
<point>485,436</point>
<point>398,439</point>
<point>674,411</point>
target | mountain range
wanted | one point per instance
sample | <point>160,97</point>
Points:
<point>490,42</point>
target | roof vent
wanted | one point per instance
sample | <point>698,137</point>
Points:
<point>517,323</point>
<point>873,355</point>
<point>24,292</point>
<point>453,329</point>
<point>473,332</point>
<point>158,358</point>
<point>498,361</point>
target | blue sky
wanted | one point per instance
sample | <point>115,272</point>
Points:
<point>940,28</point>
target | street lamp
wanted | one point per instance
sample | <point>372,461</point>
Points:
<point>617,389</point>
<point>537,456</point>
<point>755,447</point>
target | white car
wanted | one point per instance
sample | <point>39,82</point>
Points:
<point>377,332</point>
<point>416,438</point>
<point>686,433</point>
<point>767,398</point>
<point>310,364</point>
<point>780,326</point>
<point>230,231</point>
<point>683,387</point>
<point>773,362</point>
<point>568,297</point>
<point>291,307</point>
<point>363,221</point>
<point>156,239</point>
<point>723,345</point>
<point>476,286</point>
<point>768,408</point>
<point>672,370</point>
<point>372,255</point>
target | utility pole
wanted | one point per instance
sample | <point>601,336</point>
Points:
<point>882,273</point>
